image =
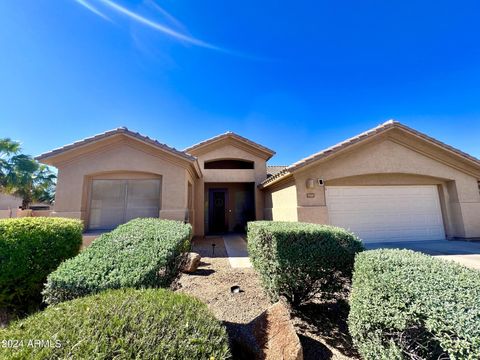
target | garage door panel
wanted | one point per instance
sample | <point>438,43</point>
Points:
<point>105,218</point>
<point>143,197</point>
<point>107,203</point>
<point>387,213</point>
<point>114,202</point>
<point>143,193</point>
<point>141,213</point>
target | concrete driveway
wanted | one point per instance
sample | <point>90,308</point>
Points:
<point>464,252</point>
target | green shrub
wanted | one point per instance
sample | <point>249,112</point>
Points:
<point>30,249</point>
<point>121,324</point>
<point>141,253</point>
<point>408,305</point>
<point>299,260</point>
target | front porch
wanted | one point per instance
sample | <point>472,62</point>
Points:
<point>228,207</point>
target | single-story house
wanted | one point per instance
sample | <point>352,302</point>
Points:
<point>388,183</point>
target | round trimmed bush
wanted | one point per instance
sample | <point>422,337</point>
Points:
<point>30,249</point>
<point>407,305</point>
<point>120,324</point>
<point>142,253</point>
<point>301,260</point>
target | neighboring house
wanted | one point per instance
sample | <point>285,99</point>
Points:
<point>8,201</point>
<point>389,183</point>
<point>10,206</point>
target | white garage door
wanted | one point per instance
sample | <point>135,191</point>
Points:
<point>114,202</point>
<point>387,213</point>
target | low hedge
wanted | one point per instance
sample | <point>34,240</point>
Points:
<point>119,324</point>
<point>140,253</point>
<point>406,305</point>
<point>30,249</point>
<point>299,260</point>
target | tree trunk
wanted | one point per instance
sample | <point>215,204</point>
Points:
<point>26,201</point>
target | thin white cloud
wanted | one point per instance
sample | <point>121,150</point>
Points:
<point>93,9</point>
<point>112,6</point>
<point>159,27</point>
<point>172,19</point>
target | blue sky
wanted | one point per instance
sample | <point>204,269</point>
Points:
<point>295,76</point>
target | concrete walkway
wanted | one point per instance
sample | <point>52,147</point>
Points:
<point>236,247</point>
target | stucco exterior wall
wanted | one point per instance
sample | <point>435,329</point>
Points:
<point>5,214</point>
<point>281,202</point>
<point>9,202</point>
<point>120,160</point>
<point>227,151</point>
<point>189,188</point>
<point>9,205</point>
<point>386,162</point>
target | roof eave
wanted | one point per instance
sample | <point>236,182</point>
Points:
<point>268,153</point>
<point>48,156</point>
<point>274,179</point>
<point>372,133</point>
<point>450,149</point>
<point>198,169</point>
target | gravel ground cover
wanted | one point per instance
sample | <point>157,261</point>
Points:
<point>212,281</point>
<point>321,326</point>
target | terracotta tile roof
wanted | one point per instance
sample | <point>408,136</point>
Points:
<point>232,135</point>
<point>438,142</point>
<point>332,149</point>
<point>273,170</point>
<point>106,134</point>
<point>360,137</point>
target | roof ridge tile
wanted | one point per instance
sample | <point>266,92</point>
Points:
<point>368,133</point>
<point>229,134</point>
<point>119,130</point>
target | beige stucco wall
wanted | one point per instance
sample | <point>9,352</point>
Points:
<point>281,202</point>
<point>9,205</point>
<point>41,213</point>
<point>227,151</point>
<point>385,161</point>
<point>190,204</point>
<point>9,202</point>
<point>125,159</point>
<point>5,214</point>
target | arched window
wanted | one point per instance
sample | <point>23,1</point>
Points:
<point>229,164</point>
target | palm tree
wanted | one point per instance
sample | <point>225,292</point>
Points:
<point>22,176</point>
<point>8,148</point>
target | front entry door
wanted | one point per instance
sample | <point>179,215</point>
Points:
<point>218,219</point>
